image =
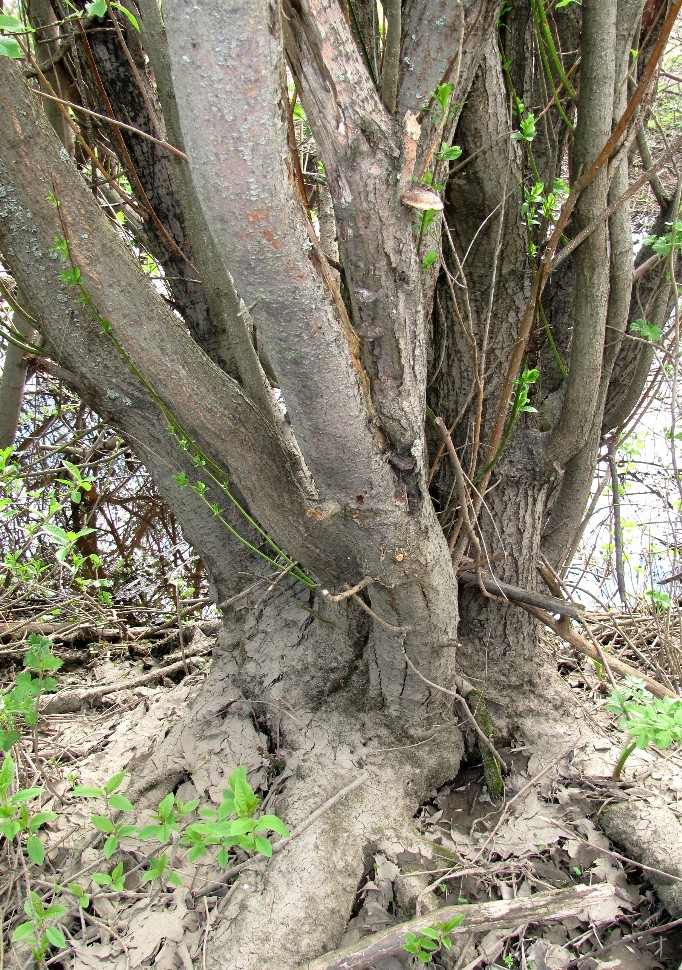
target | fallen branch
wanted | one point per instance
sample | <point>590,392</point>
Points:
<point>71,701</point>
<point>567,633</point>
<point>523,596</point>
<point>555,904</point>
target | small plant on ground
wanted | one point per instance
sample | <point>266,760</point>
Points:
<point>645,718</point>
<point>19,704</point>
<point>427,942</point>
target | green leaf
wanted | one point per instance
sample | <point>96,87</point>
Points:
<point>9,829</point>
<point>102,824</point>
<point>8,739</point>
<point>223,858</point>
<point>6,773</point>
<point>430,258</point>
<point>151,832</point>
<point>246,802</point>
<point>175,880</point>
<point>55,937</point>
<point>87,792</point>
<point>35,849</point>
<point>101,879</point>
<point>96,8</point>
<point>110,847</point>
<point>114,782</point>
<point>241,826</point>
<point>186,808</point>
<point>431,932</point>
<point>39,819</point>
<point>127,13</point>
<point>9,47</point>
<point>26,795</point>
<point>22,932</point>
<point>646,330</point>
<point>7,22</point>
<point>120,803</point>
<point>166,806</point>
<point>264,846</point>
<point>54,911</point>
<point>273,824</point>
<point>455,921</point>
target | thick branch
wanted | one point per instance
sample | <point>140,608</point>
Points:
<point>229,96</point>
<point>360,145</point>
<point>518,595</point>
<point>212,408</point>
<point>555,904</point>
<point>595,114</point>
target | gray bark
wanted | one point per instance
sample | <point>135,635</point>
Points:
<point>13,379</point>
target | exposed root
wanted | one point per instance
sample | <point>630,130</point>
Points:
<point>305,894</point>
<point>652,835</point>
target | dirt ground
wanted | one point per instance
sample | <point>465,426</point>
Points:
<point>545,833</point>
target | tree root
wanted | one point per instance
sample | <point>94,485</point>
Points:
<point>652,835</point>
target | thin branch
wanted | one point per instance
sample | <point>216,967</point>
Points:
<point>517,594</point>
<point>349,591</point>
<point>621,200</point>
<point>461,700</point>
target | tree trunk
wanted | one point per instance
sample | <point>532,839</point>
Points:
<point>332,469</point>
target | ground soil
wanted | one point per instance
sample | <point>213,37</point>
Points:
<point>544,833</point>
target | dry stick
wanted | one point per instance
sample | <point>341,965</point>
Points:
<point>461,486</point>
<point>351,591</point>
<point>616,855</point>
<point>578,641</point>
<point>461,700</point>
<point>118,124</point>
<point>96,163</point>
<point>519,595</point>
<point>555,904</point>
<point>604,216</point>
<point>379,619</point>
<point>214,887</point>
<point>630,938</point>
<point>69,702</point>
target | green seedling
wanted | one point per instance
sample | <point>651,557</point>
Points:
<point>221,828</point>
<point>39,930</point>
<point>427,942</point>
<point>114,880</point>
<point>20,703</point>
<point>115,801</point>
<point>16,820</point>
<point>646,719</point>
